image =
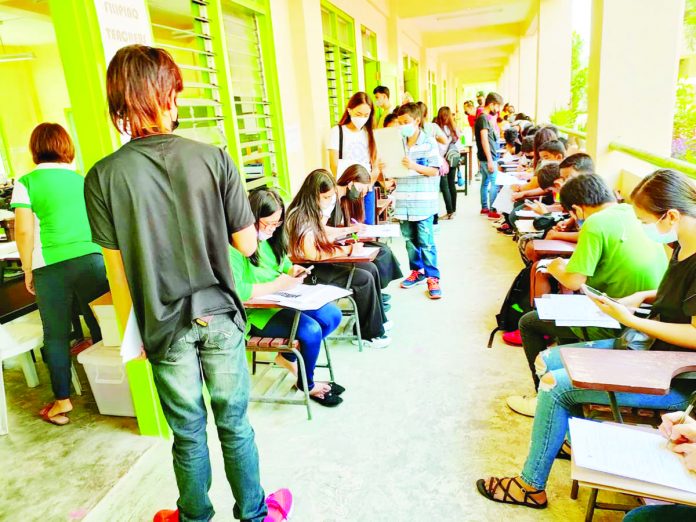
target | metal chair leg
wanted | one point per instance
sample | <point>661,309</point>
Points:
<point>303,374</point>
<point>357,322</point>
<point>75,379</point>
<point>328,360</point>
<point>591,504</point>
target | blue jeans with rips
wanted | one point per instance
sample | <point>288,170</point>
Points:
<point>420,246</point>
<point>557,402</point>
<point>489,190</point>
<point>214,355</point>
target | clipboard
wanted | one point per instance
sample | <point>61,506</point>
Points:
<point>390,149</point>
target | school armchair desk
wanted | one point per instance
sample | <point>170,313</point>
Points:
<point>553,247</point>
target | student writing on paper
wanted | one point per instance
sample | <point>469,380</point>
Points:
<point>351,188</point>
<point>665,203</point>
<point>352,142</point>
<point>269,270</point>
<point>311,239</point>
<point>613,255</point>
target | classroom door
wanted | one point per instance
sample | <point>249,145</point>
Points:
<point>372,76</point>
<point>411,82</point>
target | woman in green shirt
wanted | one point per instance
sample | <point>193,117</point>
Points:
<point>269,270</point>
<point>59,259</point>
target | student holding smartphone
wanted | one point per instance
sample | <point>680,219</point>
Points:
<point>269,270</point>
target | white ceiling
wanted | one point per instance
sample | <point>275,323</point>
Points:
<point>19,27</point>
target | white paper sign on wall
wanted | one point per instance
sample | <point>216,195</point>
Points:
<point>122,22</point>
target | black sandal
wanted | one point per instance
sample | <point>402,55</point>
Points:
<point>329,400</point>
<point>336,388</point>
<point>563,453</point>
<point>488,491</point>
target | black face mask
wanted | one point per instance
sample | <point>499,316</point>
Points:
<point>353,193</point>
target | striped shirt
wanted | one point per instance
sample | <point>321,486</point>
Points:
<point>417,197</point>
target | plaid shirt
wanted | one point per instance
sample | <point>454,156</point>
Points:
<point>416,198</point>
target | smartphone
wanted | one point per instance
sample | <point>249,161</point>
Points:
<point>587,290</point>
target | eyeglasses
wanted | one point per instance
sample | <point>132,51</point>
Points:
<point>265,224</point>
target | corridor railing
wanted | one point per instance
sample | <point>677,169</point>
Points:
<point>659,161</point>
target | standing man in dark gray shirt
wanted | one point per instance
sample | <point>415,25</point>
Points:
<point>165,209</point>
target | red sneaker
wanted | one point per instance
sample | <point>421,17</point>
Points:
<point>512,338</point>
<point>434,291</point>
<point>279,506</point>
<point>494,215</point>
<point>484,211</point>
<point>167,515</point>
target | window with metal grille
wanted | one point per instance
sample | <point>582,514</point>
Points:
<point>182,27</point>
<point>341,62</point>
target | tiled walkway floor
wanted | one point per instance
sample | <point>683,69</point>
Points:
<point>421,421</point>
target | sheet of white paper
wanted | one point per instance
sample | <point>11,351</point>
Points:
<point>573,310</point>
<point>132,344</point>
<point>392,230</point>
<point>306,297</point>
<point>503,201</point>
<point>525,226</point>
<point>628,452</point>
<point>364,252</point>
<point>505,178</point>
<point>390,149</point>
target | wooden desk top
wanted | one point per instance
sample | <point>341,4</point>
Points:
<point>626,370</point>
<point>343,259</point>
<point>552,247</point>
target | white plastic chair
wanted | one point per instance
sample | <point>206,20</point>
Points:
<point>18,340</point>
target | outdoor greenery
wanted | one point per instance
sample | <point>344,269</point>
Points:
<point>684,127</point>
<point>571,115</point>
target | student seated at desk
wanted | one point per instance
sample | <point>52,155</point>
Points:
<point>674,427</point>
<point>311,239</point>
<point>269,270</point>
<point>613,255</point>
<point>351,188</point>
<point>548,151</point>
<point>665,203</point>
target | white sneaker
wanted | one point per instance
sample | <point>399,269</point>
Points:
<point>388,326</point>
<point>377,342</point>
<point>522,404</point>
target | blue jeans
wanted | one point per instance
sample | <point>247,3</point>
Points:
<point>420,245</point>
<point>489,190</point>
<point>556,402</point>
<point>661,514</point>
<point>214,355</point>
<point>313,328</point>
<point>57,287</point>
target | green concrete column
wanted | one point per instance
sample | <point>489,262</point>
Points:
<point>80,46</point>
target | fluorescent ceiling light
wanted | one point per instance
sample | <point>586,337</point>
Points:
<point>16,57</point>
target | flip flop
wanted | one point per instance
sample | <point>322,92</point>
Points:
<point>58,420</point>
<point>336,389</point>
<point>329,400</point>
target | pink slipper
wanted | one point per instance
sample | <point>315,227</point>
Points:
<point>279,506</point>
<point>513,338</point>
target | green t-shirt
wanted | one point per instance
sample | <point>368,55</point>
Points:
<point>616,255</point>
<point>246,275</point>
<point>55,194</point>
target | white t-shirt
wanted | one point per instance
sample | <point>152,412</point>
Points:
<point>355,148</point>
<point>434,130</point>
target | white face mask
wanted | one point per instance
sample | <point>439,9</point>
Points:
<point>664,238</point>
<point>359,122</point>
<point>328,208</point>
<point>263,235</point>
